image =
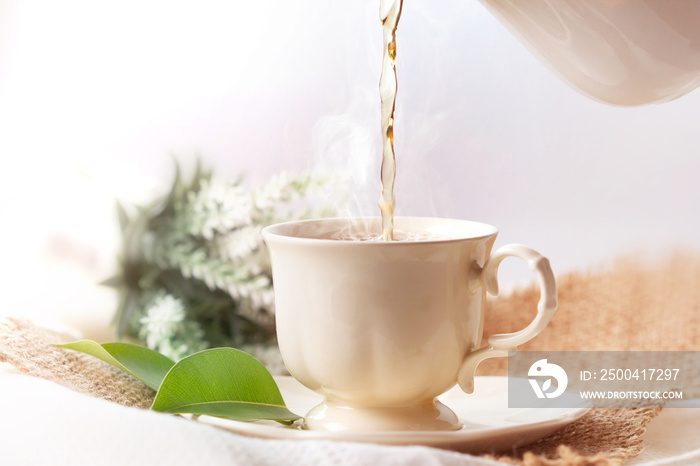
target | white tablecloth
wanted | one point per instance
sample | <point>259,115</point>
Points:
<point>44,423</point>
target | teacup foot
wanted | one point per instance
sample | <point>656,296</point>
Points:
<point>431,415</point>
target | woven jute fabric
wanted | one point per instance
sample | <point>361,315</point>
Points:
<point>30,349</point>
<point>626,306</point>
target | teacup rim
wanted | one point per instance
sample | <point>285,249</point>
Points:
<point>270,231</point>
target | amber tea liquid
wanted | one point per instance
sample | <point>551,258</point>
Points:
<point>389,13</point>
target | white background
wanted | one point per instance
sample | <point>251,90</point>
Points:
<point>96,96</point>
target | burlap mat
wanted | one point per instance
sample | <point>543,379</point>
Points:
<point>30,350</point>
<point>629,306</point>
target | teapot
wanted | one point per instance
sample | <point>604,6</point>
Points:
<point>622,52</point>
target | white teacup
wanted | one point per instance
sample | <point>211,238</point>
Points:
<point>382,328</point>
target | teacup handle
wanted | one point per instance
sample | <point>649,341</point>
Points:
<point>502,344</point>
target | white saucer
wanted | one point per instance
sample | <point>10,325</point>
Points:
<point>489,425</point>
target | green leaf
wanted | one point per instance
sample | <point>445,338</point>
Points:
<point>147,365</point>
<point>222,382</point>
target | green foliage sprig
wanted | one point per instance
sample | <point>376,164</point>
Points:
<point>195,272</point>
<point>221,382</point>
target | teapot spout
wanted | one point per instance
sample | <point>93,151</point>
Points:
<point>623,52</point>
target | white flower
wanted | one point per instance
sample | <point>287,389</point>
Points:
<point>217,208</point>
<point>162,320</point>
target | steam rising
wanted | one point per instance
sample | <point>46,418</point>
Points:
<point>347,148</point>
<point>348,144</point>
